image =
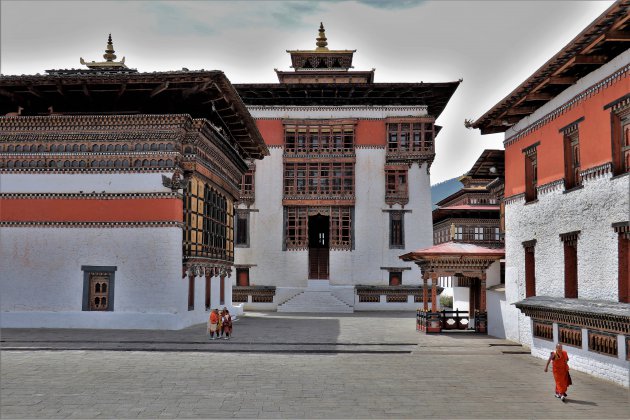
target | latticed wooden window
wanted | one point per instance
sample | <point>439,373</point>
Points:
<point>318,138</point>
<point>340,228</point>
<point>296,230</point>
<point>209,230</point>
<point>396,182</point>
<point>247,183</point>
<point>416,137</point>
<point>319,178</point>
<point>99,291</point>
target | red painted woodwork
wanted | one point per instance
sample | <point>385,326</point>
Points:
<point>242,276</point>
<point>594,151</point>
<point>318,263</point>
<point>530,273</point>
<point>624,268</point>
<point>222,290</point>
<point>395,278</point>
<point>570,270</point>
<point>91,210</point>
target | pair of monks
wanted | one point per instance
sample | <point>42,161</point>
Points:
<point>560,360</point>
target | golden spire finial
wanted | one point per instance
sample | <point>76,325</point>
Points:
<point>321,40</point>
<point>109,50</point>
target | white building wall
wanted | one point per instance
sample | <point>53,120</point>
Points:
<point>74,183</point>
<point>591,210</point>
<point>362,265</point>
<point>42,281</point>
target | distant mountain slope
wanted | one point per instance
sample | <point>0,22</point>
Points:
<point>444,189</point>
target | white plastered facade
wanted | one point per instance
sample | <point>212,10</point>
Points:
<point>42,277</point>
<point>270,265</point>
<point>592,210</point>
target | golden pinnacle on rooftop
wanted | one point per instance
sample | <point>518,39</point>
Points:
<point>321,40</point>
<point>109,50</point>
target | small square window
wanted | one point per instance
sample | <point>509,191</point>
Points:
<point>98,288</point>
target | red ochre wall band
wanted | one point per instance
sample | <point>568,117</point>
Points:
<point>367,132</point>
<point>79,210</point>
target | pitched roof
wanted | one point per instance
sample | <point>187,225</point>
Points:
<point>454,249</point>
<point>604,39</point>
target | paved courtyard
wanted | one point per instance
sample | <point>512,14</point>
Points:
<point>365,365</point>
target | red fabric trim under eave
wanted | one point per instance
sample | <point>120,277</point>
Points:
<point>91,210</point>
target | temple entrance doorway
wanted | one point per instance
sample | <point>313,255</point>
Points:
<point>318,249</point>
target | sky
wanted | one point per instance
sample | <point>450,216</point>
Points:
<point>492,45</point>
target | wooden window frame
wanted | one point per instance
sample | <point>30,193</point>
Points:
<point>620,134</point>
<point>570,243</point>
<point>318,179</point>
<point>397,183</point>
<point>396,230</point>
<point>245,272</point>
<point>241,236</point>
<point>530,268</point>
<point>393,275</point>
<point>571,146</point>
<point>623,260</point>
<point>318,138</point>
<point>531,172</point>
<point>88,272</point>
<point>410,136</point>
<point>209,222</point>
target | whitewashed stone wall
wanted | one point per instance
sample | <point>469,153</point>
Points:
<point>591,210</point>
<point>42,281</point>
<point>87,183</point>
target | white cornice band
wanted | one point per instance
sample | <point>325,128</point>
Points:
<point>323,112</point>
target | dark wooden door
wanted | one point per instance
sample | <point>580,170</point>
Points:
<point>318,250</point>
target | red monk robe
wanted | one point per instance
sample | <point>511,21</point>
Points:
<point>560,360</point>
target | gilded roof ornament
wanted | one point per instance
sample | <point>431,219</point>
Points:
<point>109,56</point>
<point>321,40</point>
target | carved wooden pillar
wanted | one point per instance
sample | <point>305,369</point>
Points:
<point>482,292</point>
<point>425,292</point>
<point>207,275</point>
<point>434,277</point>
<point>191,290</point>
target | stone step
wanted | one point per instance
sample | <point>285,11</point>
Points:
<point>315,301</point>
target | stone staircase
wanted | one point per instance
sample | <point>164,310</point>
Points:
<point>316,298</point>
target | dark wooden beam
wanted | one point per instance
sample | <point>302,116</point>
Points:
<point>60,88</point>
<point>524,110</point>
<point>538,96</point>
<point>161,88</point>
<point>561,80</point>
<point>35,91</point>
<point>122,89</point>
<point>617,36</point>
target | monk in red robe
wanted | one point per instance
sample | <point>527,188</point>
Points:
<point>560,360</point>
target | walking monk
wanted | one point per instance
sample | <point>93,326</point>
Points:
<point>560,360</point>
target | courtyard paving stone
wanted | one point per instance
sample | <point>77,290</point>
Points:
<point>274,368</point>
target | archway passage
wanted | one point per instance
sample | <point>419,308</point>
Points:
<point>318,248</point>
